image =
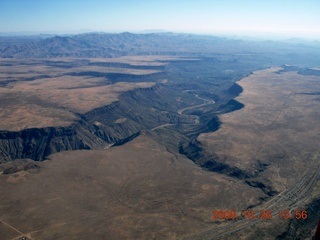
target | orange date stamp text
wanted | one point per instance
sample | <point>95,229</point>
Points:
<point>262,214</point>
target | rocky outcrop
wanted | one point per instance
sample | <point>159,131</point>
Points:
<point>37,143</point>
<point>114,124</point>
<point>193,150</point>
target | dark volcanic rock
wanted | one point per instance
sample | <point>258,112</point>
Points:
<point>38,143</point>
<point>194,151</point>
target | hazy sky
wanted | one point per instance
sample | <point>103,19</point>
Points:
<point>288,17</point>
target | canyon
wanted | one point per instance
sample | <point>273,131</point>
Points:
<point>145,142</point>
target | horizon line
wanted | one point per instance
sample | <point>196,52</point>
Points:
<point>267,35</point>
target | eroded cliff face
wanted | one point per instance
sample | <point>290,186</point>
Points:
<point>136,110</point>
<point>38,143</point>
<point>114,124</point>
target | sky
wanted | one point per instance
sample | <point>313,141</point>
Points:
<point>292,18</point>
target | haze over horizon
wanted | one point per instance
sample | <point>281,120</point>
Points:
<point>286,18</point>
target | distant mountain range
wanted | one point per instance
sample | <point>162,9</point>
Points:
<point>115,45</point>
